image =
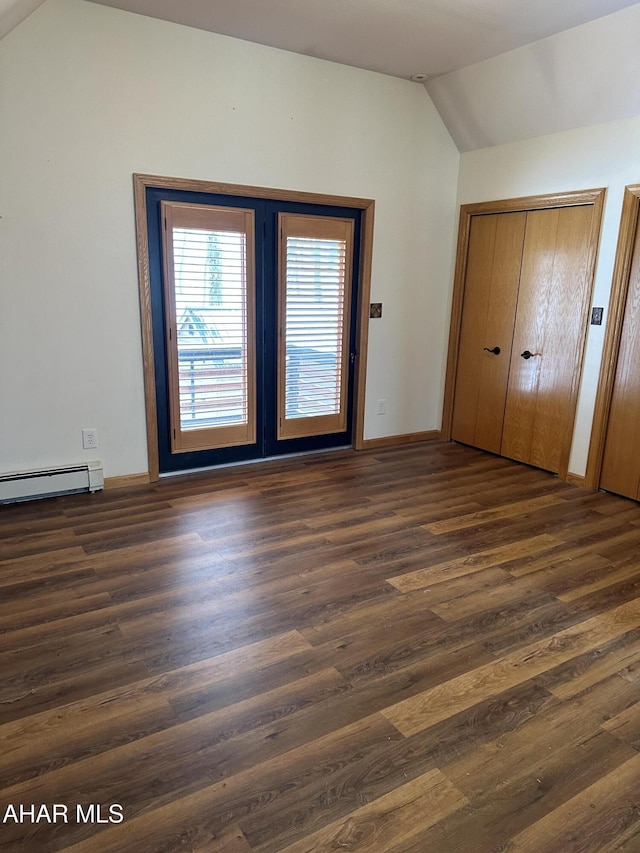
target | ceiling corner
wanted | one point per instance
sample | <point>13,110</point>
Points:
<point>13,12</point>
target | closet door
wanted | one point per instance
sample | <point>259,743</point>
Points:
<point>527,287</point>
<point>621,462</point>
<point>555,286</point>
<point>491,293</point>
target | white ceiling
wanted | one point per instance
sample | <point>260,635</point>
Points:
<point>584,76</point>
<point>397,37</point>
<point>501,70</point>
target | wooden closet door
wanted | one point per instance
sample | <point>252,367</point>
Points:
<point>548,337</point>
<point>491,293</point>
<point>621,462</point>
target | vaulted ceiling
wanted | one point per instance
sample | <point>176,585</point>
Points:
<point>439,39</point>
<point>397,37</point>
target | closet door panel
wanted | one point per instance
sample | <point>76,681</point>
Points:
<point>524,377</point>
<point>491,293</point>
<point>548,336</point>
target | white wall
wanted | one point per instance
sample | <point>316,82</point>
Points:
<point>606,155</point>
<point>89,95</point>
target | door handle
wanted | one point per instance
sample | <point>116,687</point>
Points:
<point>495,350</point>
<point>526,354</point>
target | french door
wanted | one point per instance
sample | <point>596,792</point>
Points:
<point>254,309</point>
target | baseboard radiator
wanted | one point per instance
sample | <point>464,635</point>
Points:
<point>45,483</point>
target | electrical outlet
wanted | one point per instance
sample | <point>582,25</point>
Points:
<point>382,407</point>
<point>89,439</point>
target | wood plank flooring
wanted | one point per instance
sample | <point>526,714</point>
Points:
<point>425,649</point>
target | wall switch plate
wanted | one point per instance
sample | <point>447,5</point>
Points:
<point>382,407</point>
<point>596,316</point>
<point>89,439</point>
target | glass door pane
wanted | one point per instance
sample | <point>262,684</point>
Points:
<point>210,325</point>
<point>314,290</point>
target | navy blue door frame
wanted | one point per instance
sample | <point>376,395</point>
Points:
<point>266,445</point>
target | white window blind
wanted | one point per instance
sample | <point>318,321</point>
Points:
<point>210,294</point>
<point>315,293</point>
<point>314,323</point>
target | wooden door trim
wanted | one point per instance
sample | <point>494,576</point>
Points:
<point>613,332</point>
<point>593,197</point>
<point>366,206</point>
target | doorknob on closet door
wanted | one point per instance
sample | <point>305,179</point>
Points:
<point>495,350</point>
<point>527,354</point>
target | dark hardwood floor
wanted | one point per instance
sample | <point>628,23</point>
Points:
<point>423,649</point>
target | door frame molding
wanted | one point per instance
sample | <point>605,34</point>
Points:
<point>572,198</point>
<point>140,184</point>
<point>629,220</point>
